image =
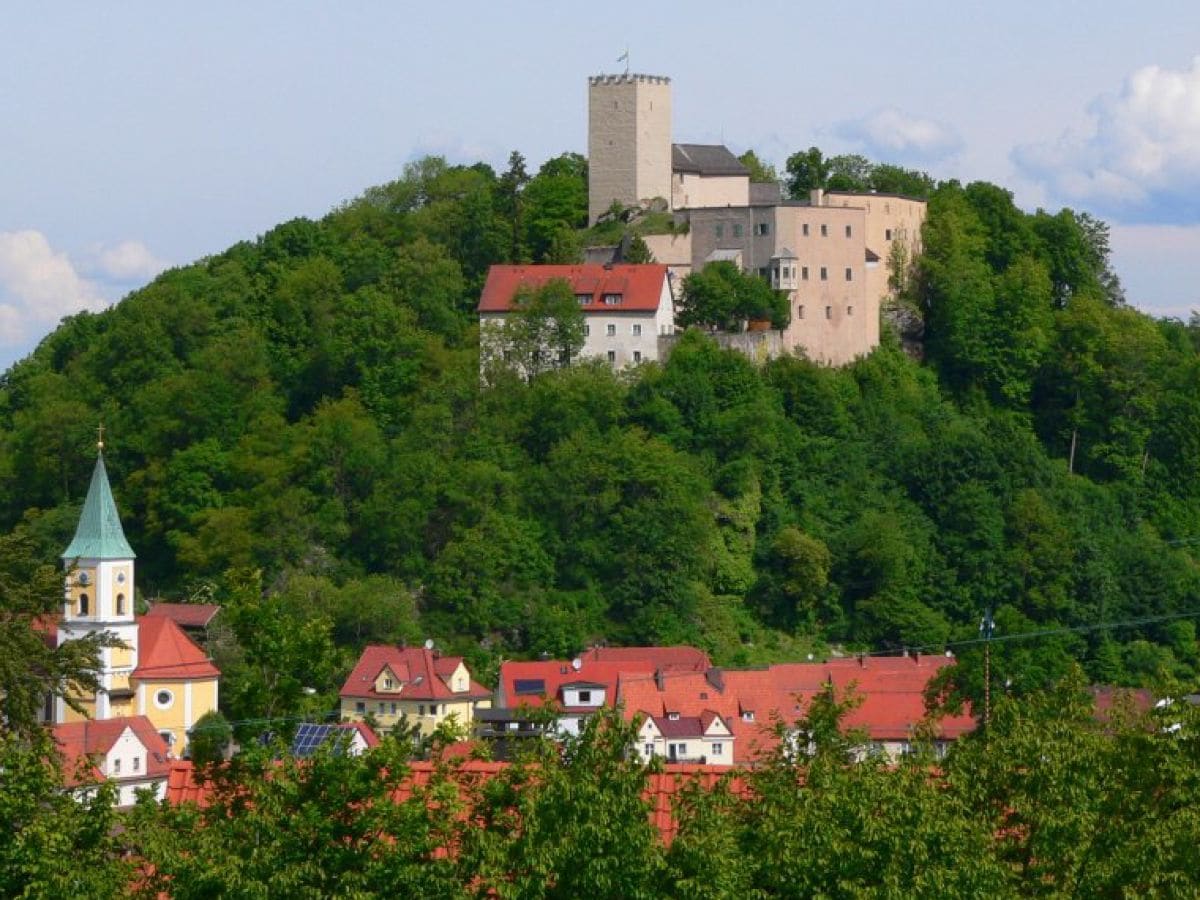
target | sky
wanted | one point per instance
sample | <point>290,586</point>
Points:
<point>139,136</point>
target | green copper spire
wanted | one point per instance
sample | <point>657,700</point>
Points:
<point>99,534</point>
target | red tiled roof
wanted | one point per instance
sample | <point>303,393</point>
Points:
<point>640,286</point>
<point>602,666</point>
<point>166,653</point>
<point>686,726</point>
<point>419,671</point>
<point>186,615</point>
<point>891,688</point>
<point>661,786</point>
<point>669,659</point>
<point>79,740</point>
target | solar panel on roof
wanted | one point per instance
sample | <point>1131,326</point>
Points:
<point>309,736</point>
<point>530,686</point>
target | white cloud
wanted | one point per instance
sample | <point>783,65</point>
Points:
<point>128,261</point>
<point>889,135</point>
<point>1140,159</point>
<point>38,286</point>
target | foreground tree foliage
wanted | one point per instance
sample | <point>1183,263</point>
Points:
<point>1056,798</point>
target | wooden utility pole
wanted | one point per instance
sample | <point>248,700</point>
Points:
<point>987,626</point>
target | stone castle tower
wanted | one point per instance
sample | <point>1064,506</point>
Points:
<point>629,140</point>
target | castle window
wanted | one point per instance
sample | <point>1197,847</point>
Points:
<point>163,699</point>
<point>83,605</point>
<point>849,274</point>
<point>848,231</point>
<point>804,229</point>
<point>799,312</point>
<point>824,274</point>
<point>887,234</point>
<point>120,604</point>
<point>824,231</point>
<point>762,229</point>
<point>737,230</point>
<point>829,312</point>
<point>849,310</point>
<point>804,273</point>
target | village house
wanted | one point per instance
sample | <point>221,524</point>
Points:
<point>574,690</point>
<point>418,686</point>
<point>126,751</point>
<point>626,308</point>
<point>158,672</point>
<point>705,739</point>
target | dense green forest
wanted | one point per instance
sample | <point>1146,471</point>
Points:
<point>296,429</point>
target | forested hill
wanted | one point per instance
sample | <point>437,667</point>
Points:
<point>296,428</point>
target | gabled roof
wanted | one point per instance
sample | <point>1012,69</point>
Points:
<point>534,682</point>
<point>891,688</point>
<point>186,615</point>
<point>165,653</point>
<point>687,726</point>
<point>640,286</point>
<point>99,534</point>
<point>419,671</point>
<point>706,160</point>
<point>79,740</point>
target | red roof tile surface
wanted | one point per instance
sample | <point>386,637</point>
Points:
<point>661,786</point>
<point>640,286</point>
<point>422,675</point>
<point>80,740</point>
<point>602,666</point>
<point>165,653</point>
<point>751,700</point>
<point>186,615</point>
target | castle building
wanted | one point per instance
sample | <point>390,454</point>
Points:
<point>830,252</point>
<point>158,672</point>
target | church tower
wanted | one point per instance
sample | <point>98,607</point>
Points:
<point>629,140</point>
<point>99,597</point>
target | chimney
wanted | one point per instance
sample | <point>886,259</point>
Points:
<point>816,197</point>
<point>660,680</point>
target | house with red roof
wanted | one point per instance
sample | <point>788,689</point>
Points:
<point>157,671</point>
<point>889,692</point>
<point>417,685</point>
<point>575,689</point>
<point>127,751</point>
<point>706,739</point>
<point>626,308</point>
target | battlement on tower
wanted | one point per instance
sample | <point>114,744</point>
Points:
<point>629,78</point>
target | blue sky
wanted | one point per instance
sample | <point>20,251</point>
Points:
<point>136,136</point>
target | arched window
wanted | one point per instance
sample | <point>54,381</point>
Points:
<point>83,604</point>
<point>120,604</point>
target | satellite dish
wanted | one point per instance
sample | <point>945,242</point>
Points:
<point>810,657</point>
<point>429,643</point>
<point>577,664</point>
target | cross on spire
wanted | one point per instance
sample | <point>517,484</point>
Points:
<point>100,436</point>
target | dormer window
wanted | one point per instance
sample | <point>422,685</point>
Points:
<point>673,716</point>
<point>612,299</point>
<point>747,715</point>
<point>583,299</point>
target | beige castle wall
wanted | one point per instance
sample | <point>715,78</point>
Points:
<point>629,140</point>
<point>690,190</point>
<point>834,319</point>
<point>890,219</point>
